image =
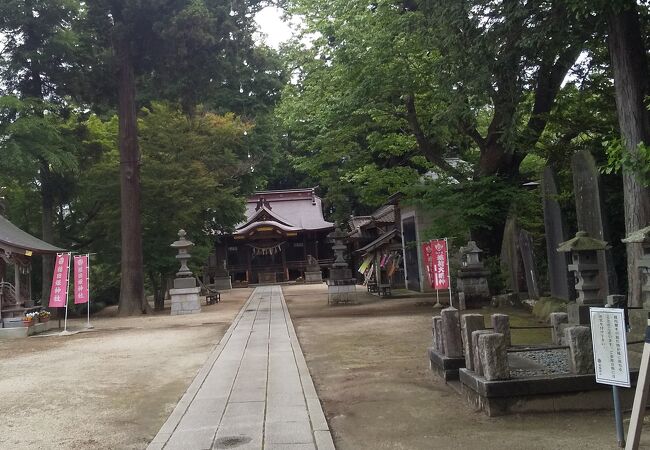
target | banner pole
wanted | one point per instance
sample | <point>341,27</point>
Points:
<point>88,325</point>
<point>434,282</point>
<point>448,272</point>
<point>67,291</point>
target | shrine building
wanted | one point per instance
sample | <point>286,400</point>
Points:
<point>284,232</point>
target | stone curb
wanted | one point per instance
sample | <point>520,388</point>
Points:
<point>322,433</point>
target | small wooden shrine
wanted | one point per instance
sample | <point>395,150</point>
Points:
<point>17,249</point>
<point>283,233</point>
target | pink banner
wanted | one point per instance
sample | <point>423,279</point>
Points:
<point>81,275</point>
<point>427,259</point>
<point>59,291</point>
<point>439,270</point>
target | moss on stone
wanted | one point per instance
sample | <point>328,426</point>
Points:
<point>547,305</point>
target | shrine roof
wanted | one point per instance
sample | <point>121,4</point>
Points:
<point>379,242</point>
<point>295,209</point>
<point>15,239</point>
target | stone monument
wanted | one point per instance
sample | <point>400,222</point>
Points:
<point>590,290</point>
<point>313,273</point>
<point>555,233</point>
<point>589,215</point>
<point>185,294</point>
<point>472,276</point>
<point>528,258</point>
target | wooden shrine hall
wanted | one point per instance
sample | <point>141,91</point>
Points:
<point>17,249</point>
<point>284,230</point>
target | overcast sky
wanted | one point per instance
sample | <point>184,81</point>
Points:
<point>273,29</point>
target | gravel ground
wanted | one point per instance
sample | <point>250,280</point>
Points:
<point>551,362</point>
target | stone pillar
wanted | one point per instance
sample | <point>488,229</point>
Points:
<point>438,340</point>
<point>557,320</point>
<point>555,233</point>
<point>501,324</point>
<point>433,332</point>
<point>493,352</point>
<point>477,363</point>
<point>581,355</point>
<point>590,218</point>
<point>462,304</point>
<point>468,324</point>
<point>451,333</point>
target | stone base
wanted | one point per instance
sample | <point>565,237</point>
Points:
<point>184,283</point>
<point>445,367</point>
<point>579,314</point>
<point>222,283</point>
<point>314,277</point>
<point>23,331</point>
<point>340,273</point>
<point>341,293</point>
<point>552,393</point>
<point>185,301</point>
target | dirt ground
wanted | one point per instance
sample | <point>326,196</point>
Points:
<point>114,387</point>
<point>111,388</point>
<point>369,364</point>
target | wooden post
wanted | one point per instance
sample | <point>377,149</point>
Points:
<point>17,280</point>
<point>640,396</point>
<point>249,272</point>
<point>285,269</point>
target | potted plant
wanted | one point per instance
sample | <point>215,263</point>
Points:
<point>43,316</point>
<point>29,319</point>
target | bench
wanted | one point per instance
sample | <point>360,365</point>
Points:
<point>213,297</point>
<point>384,289</point>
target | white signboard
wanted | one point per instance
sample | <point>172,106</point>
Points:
<point>610,348</point>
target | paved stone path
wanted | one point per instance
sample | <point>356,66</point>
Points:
<point>254,392</point>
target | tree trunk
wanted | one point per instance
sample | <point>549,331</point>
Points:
<point>47,230</point>
<point>132,298</point>
<point>158,285</point>
<point>630,69</point>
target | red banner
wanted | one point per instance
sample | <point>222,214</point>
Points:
<point>427,259</point>
<point>81,275</point>
<point>59,291</point>
<point>440,268</point>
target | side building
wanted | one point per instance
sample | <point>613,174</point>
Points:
<point>284,233</point>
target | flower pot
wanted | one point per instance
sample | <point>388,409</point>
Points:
<point>43,319</point>
<point>27,323</point>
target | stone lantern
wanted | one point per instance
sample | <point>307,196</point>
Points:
<point>584,264</point>
<point>471,255</point>
<point>472,276</point>
<point>340,270</point>
<point>183,246</point>
<point>642,237</point>
<point>185,295</point>
<point>341,286</point>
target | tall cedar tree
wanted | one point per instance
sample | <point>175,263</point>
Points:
<point>38,65</point>
<point>181,42</point>
<point>630,68</point>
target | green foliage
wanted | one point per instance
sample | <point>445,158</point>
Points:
<point>474,206</point>
<point>34,131</point>
<point>191,168</point>
<point>619,160</point>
